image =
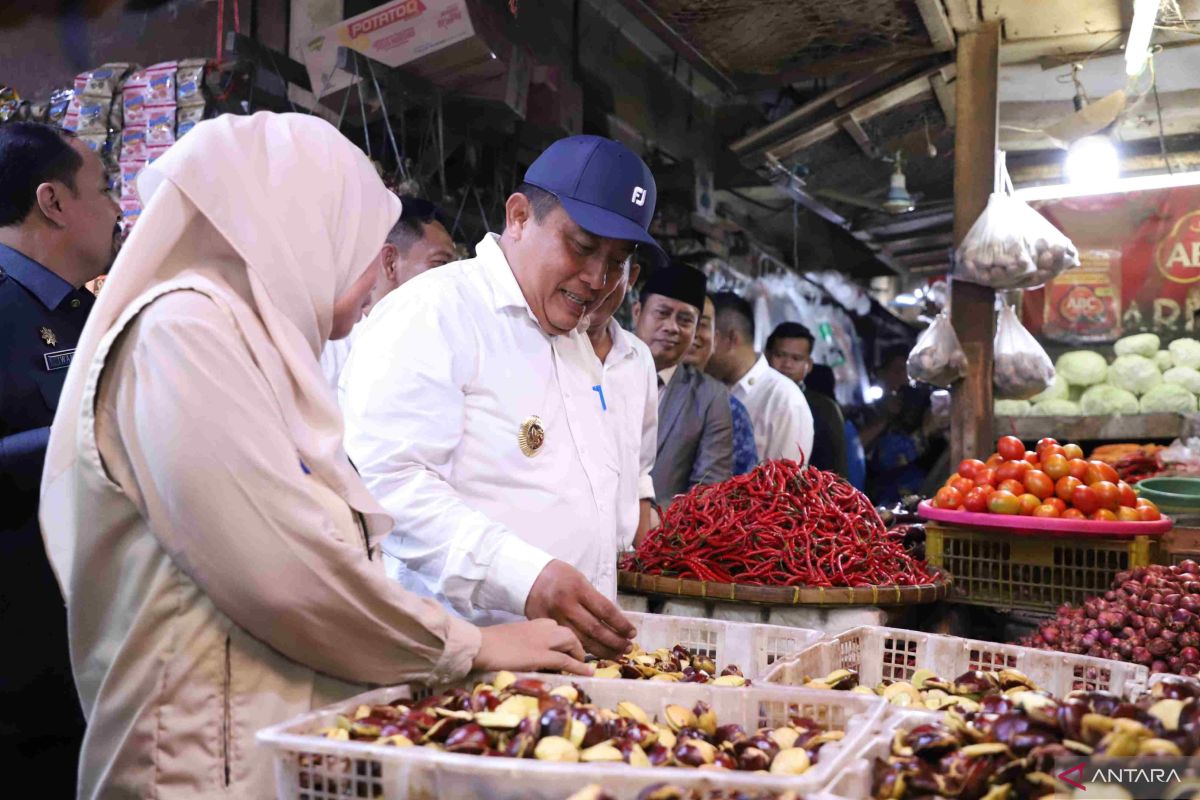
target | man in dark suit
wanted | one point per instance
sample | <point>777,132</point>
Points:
<point>57,227</point>
<point>695,429</point>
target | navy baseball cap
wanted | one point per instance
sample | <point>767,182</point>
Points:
<point>602,185</point>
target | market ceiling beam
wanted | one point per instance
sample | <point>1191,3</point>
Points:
<point>937,23</point>
<point>767,135</point>
<point>878,102</point>
<point>854,129</point>
<point>936,257</point>
<point>910,223</point>
<point>964,14</point>
<point>943,90</point>
<point>850,64</point>
<point>680,44</point>
<point>912,243</point>
<point>1052,172</point>
<point>1023,120</point>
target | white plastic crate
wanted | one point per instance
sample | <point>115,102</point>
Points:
<point>753,647</point>
<point>886,655</point>
<point>356,770</point>
<point>853,781</point>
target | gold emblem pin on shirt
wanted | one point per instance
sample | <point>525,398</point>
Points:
<point>48,337</point>
<point>531,436</point>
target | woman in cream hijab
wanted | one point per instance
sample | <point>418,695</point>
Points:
<point>216,549</point>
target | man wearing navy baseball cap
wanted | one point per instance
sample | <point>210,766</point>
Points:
<point>475,407</point>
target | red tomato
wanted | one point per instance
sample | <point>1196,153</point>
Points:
<point>1046,510</point>
<point>976,500</point>
<point>1010,448</point>
<point>1128,495</point>
<point>986,477</point>
<point>1142,501</point>
<point>1073,513</point>
<point>1108,494</point>
<point>1072,451</point>
<point>1012,485</point>
<point>1032,457</point>
<point>1012,470</point>
<point>1038,483</point>
<point>1028,503</point>
<point>1104,515</point>
<point>1002,502</point>
<point>1128,514</point>
<point>1052,450</point>
<point>1099,471</point>
<point>1078,469</point>
<point>965,485</point>
<point>994,460</point>
<point>948,497</point>
<point>1056,466</point>
<point>1057,503</point>
<point>969,466</point>
<point>1044,443</point>
<point>1148,513</point>
<point>1085,499</point>
<point>1065,487</point>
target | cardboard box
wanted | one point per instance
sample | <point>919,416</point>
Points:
<point>449,42</point>
<point>510,89</point>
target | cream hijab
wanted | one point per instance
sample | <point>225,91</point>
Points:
<point>307,213</point>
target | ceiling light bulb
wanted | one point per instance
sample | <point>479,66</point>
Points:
<point>1092,160</point>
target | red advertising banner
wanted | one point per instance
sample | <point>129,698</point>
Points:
<point>1140,270</point>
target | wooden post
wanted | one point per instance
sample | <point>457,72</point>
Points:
<point>975,140</point>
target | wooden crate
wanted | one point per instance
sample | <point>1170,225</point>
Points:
<point>1183,541</point>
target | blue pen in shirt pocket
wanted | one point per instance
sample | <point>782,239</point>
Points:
<point>600,391</point>
<point>304,467</point>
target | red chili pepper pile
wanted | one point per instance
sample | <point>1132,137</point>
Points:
<point>779,525</point>
<point>1137,467</point>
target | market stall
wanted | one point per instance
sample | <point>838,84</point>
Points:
<point>1039,608</point>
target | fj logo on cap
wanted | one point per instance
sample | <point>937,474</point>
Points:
<point>639,196</point>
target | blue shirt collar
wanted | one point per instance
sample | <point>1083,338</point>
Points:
<point>47,287</point>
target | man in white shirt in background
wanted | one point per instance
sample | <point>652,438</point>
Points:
<point>629,395</point>
<point>783,422</point>
<point>417,243</point>
<point>470,408</point>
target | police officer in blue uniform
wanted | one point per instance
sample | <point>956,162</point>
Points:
<point>57,232</point>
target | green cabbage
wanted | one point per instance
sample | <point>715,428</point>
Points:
<point>1082,367</point>
<point>1012,408</point>
<point>1163,359</point>
<point>1140,344</point>
<point>1186,377</point>
<point>1185,353</point>
<point>1055,408</point>
<point>1059,389</point>
<point>1168,397</point>
<point>1107,399</point>
<point>1136,374</point>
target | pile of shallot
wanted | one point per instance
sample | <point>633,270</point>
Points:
<point>1151,616</point>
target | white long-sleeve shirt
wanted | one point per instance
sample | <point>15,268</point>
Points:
<point>783,422</point>
<point>631,395</point>
<point>440,380</point>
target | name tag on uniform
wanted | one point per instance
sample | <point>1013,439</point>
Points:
<point>60,359</point>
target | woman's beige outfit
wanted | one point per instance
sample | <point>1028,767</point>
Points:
<point>217,551</point>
